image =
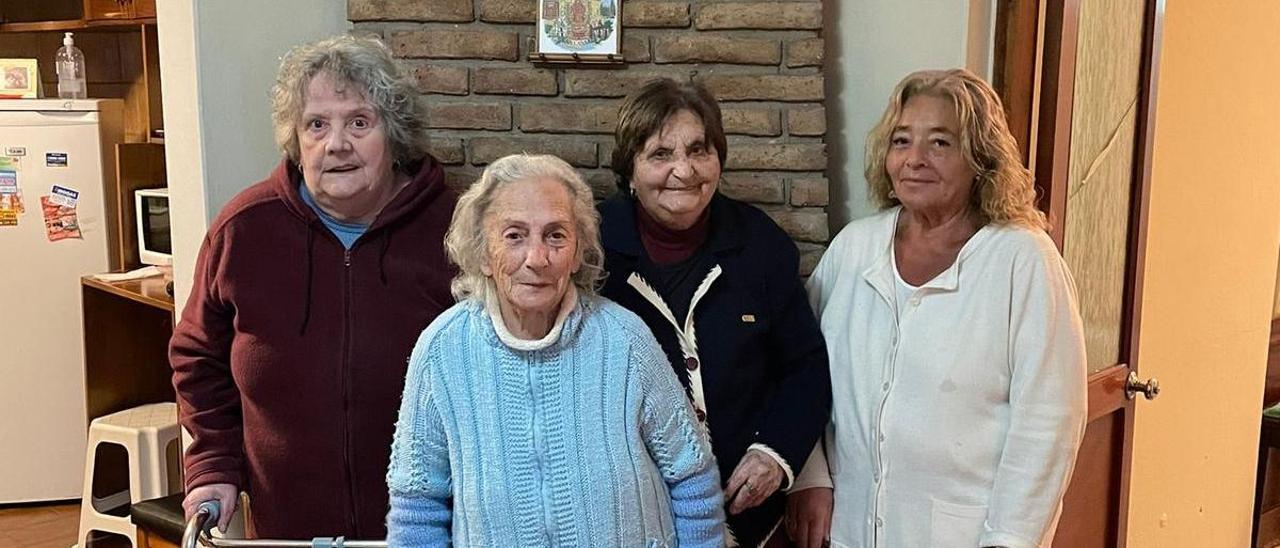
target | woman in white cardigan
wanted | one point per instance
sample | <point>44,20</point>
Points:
<point>956,347</point>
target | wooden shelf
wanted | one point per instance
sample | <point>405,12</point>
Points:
<point>43,26</point>
<point>148,291</point>
<point>106,24</point>
<point>77,25</point>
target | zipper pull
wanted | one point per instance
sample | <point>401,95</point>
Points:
<point>346,258</point>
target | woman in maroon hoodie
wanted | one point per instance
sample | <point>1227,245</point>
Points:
<point>310,289</point>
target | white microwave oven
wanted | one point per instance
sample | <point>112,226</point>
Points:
<point>154,243</point>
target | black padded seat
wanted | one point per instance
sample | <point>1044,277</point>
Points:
<point>160,517</point>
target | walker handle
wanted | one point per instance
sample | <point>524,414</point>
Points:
<point>201,522</point>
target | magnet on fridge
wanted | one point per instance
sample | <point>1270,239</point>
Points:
<point>64,196</point>
<point>8,181</point>
<point>10,193</point>
<point>60,222</point>
<point>11,203</point>
<point>55,159</point>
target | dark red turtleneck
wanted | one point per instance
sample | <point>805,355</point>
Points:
<point>669,246</point>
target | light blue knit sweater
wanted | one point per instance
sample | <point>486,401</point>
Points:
<point>587,442</point>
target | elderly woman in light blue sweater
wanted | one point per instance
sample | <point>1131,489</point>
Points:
<point>536,413</point>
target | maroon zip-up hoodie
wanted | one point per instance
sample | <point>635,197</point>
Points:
<point>290,358</point>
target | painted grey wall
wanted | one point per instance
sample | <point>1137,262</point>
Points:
<point>217,63</point>
<point>873,44</point>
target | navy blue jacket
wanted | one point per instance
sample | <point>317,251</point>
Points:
<point>761,353</point>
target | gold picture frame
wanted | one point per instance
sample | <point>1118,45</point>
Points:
<point>578,32</point>
<point>19,79</point>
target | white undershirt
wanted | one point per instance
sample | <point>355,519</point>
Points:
<point>508,338</point>
<point>903,290</point>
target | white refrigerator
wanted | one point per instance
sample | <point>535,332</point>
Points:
<point>45,143</point>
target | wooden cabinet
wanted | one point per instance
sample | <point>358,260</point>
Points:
<point>64,15</point>
<point>98,10</point>
<point>127,326</point>
<point>119,10</point>
<point>25,11</point>
<point>143,112</point>
<point>126,344</point>
<point>143,9</point>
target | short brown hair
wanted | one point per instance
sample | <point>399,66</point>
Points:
<point>644,112</point>
<point>1004,192</point>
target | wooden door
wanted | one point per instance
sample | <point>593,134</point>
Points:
<point>1078,81</point>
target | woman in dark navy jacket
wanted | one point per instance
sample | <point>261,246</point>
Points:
<point>718,283</point>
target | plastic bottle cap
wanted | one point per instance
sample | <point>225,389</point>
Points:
<point>66,39</point>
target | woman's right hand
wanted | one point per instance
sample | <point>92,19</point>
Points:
<point>808,516</point>
<point>226,495</point>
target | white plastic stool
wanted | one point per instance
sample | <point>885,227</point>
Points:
<point>145,433</point>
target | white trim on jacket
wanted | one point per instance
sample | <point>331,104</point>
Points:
<point>688,338</point>
<point>687,335</point>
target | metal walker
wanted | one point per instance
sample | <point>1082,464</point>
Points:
<point>206,516</point>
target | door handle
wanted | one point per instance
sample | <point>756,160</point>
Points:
<point>1149,389</point>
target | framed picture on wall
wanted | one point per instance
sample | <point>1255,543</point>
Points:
<point>579,31</point>
<point>21,79</point>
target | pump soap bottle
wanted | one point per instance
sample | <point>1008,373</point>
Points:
<point>69,63</point>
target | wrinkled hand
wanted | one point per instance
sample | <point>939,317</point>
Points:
<point>226,495</point>
<point>756,477</point>
<point>808,516</point>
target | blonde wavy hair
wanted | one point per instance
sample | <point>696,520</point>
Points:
<point>1004,191</point>
<point>465,241</point>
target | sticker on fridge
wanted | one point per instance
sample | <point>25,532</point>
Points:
<point>60,221</point>
<point>10,207</point>
<point>8,181</point>
<point>11,203</point>
<point>55,159</point>
<point>64,196</point>
<point>10,193</point>
<point>10,166</point>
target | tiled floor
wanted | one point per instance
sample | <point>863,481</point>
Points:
<point>45,526</point>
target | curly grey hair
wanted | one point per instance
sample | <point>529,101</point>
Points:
<point>366,64</point>
<point>465,241</point>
